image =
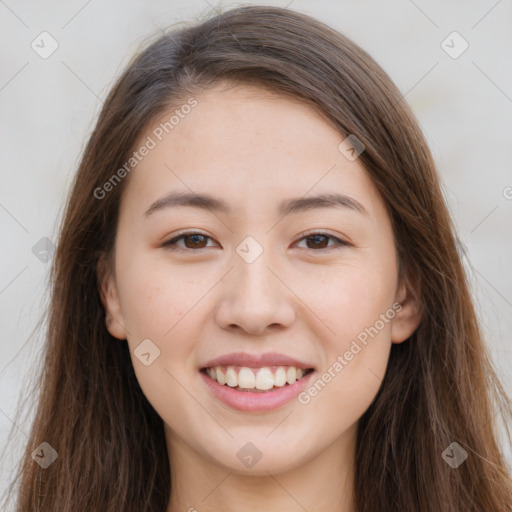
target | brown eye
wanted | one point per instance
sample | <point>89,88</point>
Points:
<point>191,240</point>
<point>196,241</point>
<point>320,242</point>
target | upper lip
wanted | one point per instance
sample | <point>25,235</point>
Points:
<point>255,360</point>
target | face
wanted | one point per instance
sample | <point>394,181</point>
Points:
<point>265,272</point>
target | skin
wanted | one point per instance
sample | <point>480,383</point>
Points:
<point>253,148</point>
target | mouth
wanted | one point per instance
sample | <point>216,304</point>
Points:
<point>263,379</point>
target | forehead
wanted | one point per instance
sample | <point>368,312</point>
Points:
<point>247,145</point>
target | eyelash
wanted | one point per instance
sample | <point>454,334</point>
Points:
<point>171,244</point>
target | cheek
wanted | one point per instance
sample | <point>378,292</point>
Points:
<point>355,303</point>
<point>347,297</point>
<point>341,394</point>
<point>155,308</point>
<point>154,299</point>
<point>354,356</point>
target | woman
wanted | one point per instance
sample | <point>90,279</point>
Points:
<point>258,301</point>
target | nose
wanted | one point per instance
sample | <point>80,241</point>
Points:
<point>255,298</point>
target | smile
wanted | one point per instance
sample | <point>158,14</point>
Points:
<point>249,389</point>
<point>264,379</point>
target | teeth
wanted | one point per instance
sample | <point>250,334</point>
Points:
<point>221,379</point>
<point>255,378</point>
<point>246,378</point>
<point>280,377</point>
<point>291,375</point>
<point>231,377</point>
<point>264,379</point>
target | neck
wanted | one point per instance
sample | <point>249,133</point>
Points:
<point>323,483</point>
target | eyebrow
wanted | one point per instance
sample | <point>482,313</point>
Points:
<point>294,205</point>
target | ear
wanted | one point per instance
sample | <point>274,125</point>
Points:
<point>408,318</point>
<point>110,300</point>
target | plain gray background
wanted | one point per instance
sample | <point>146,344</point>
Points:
<point>48,107</point>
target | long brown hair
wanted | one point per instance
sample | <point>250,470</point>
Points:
<point>440,386</point>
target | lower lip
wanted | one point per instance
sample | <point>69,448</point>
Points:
<point>253,401</point>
